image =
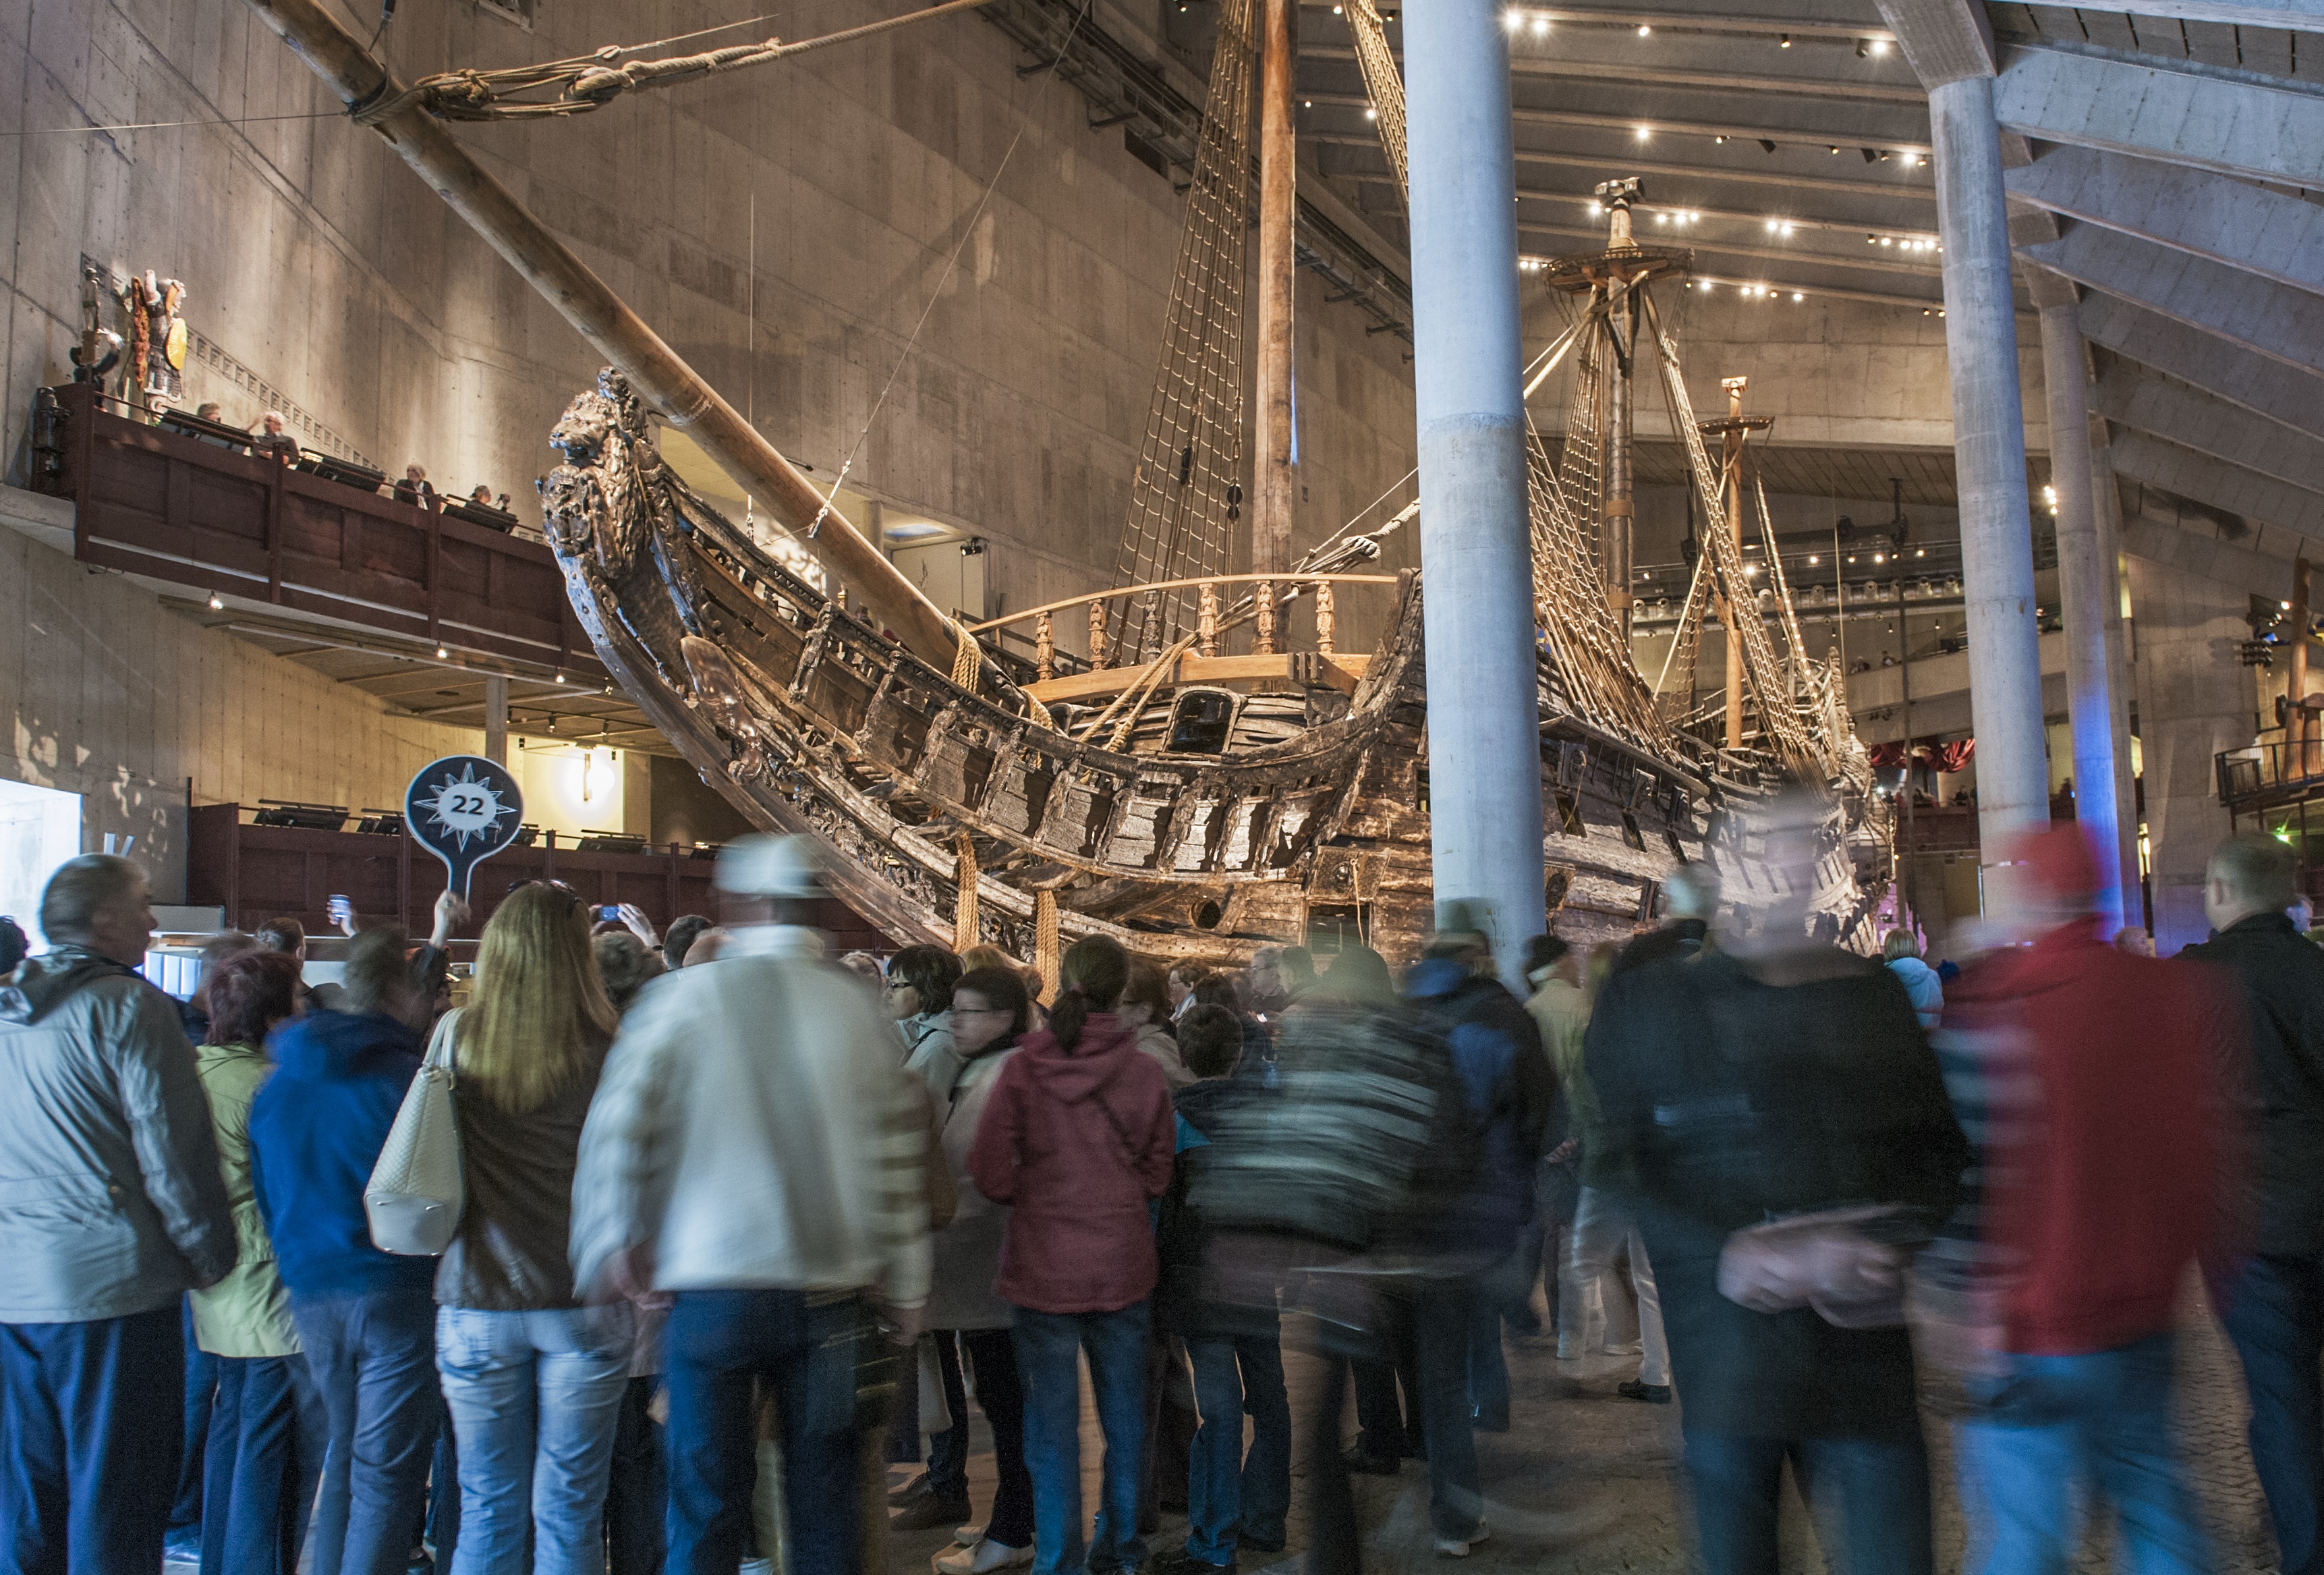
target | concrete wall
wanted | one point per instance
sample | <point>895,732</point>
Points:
<point>2194,700</point>
<point>849,180</point>
<point>109,694</point>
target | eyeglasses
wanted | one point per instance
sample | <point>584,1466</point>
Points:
<point>982,1012</point>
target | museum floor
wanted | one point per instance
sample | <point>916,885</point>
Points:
<point>1585,1481</point>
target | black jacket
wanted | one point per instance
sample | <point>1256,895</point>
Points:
<point>1733,1102</point>
<point>2282,977</point>
<point>1682,939</point>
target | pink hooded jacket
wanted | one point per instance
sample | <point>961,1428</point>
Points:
<point>1077,1143</point>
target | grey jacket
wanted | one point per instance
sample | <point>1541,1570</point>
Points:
<point>111,1199</point>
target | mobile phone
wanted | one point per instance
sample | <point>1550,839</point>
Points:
<point>339,907</point>
<point>610,911</point>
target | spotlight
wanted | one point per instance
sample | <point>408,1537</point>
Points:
<point>1786,229</point>
<point>1372,115</point>
<point>1720,140</point>
<point>1879,46</point>
<point>1645,131</point>
<point>1541,24</point>
<point>1662,218</point>
<point>441,654</point>
<point>1813,561</point>
<point>1645,32</point>
<point>1797,295</point>
<point>1834,151</point>
<point>560,678</point>
<point>217,603</point>
<point>1786,42</point>
<point>1515,20</point>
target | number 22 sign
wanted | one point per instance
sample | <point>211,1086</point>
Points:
<point>462,809</point>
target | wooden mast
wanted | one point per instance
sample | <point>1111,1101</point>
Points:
<point>1743,603</point>
<point>1278,154</point>
<point>674,389</point>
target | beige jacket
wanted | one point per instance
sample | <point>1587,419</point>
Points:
<point>752,1128</point>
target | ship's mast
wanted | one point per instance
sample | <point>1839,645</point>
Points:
<point>1731,433</point>
<point>1615,554</point>
<point>1278,154</point>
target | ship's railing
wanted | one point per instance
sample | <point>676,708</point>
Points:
<point>1196,657</point>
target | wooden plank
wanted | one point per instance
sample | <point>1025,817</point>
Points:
<point>2211,42</point>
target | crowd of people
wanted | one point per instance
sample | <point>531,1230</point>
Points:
<point>740,1228</point>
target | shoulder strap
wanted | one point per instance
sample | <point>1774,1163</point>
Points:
<point>443,1043</point>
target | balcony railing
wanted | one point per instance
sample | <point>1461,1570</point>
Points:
<point>2261,774</point>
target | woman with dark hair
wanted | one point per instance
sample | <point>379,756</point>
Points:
<point>533,1379</point>
<point>1077,1136</point>
<point>920,980</point>
<point>990,1012</point>
<point>267,1430</point>
<point>1146,1006</point>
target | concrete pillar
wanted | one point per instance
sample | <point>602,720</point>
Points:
<point>2193,701</point>
<point>2083,582</point>
<point>2121,660</point>
<point>1989,462</point>
<point>496,717</point>
<point>1484,754</point>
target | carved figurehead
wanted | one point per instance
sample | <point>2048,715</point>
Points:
<point>600,502</point>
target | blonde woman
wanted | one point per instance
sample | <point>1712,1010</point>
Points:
<point>533,1379</point>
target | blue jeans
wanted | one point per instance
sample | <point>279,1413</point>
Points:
<point>1232,1496</point>
<point>1047,1344</point>
<point>719,1345</point>
<point>201,1397</point>
<point>1443,1313</point>
<point>373,1356</point>
<point>534,1398</point>
<point>86,1468</point>
<point>2055,1426</point>
<point>1870,1495</point>
<point>265,1457</point>
<point>2275,1318</point>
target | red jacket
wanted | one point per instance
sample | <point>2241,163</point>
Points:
<point>2104,1178</point>
<point>1077,1143</point>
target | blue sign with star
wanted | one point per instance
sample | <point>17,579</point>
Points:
<point>462,809</point>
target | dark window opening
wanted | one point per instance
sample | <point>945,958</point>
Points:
<point>1677,850</point>
<point>1334,927</point>
<point>1207,914</point>
<point>1200,723</point>
<point>1554,890</point>
<point>1569,814</point>
<point>1630,832</point>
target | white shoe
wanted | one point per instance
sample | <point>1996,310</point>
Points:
<point>986,1556</point>
<point>967,1536</point>
<point>1632,1350</point>
<point>1458,1547</point>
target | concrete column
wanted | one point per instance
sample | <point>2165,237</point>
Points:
<point>496,717</point>
<point>1484,753</point>
<point>2121,661</point>
<point>2193,701</point>
<point>1989,463</point>
<point>2083,581</point>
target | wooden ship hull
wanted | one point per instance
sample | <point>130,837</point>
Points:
<point>1310,813</point>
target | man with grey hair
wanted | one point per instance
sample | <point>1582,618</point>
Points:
<point>112,1207</point>
<point>2276,1313</point>
<point>757,1149</point>
<point>1691,897</point>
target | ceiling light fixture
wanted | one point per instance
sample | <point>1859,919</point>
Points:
<point>1645,131</point>
<point>1797,295</point>
<point>217,603</point>
<point>1879,46</point>
<point>1515,19</point>
<point>1541,24</point>
<point>1645,32</point>
<point>1786,42</point>
<point>1372,115</point>
<point>1767,144</point>
<point>441,654</point>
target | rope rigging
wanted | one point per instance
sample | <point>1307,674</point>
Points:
<point>592,81</point>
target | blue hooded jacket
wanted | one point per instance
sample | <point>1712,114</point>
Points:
<point>316,1130</point>
<point>1508,1089</point>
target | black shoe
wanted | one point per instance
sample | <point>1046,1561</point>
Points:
<point>1250,1543</point>
<point>1364,1463</point>
<point>1179,1562</point>
<point>1652,1393</point>
<point>911,1492</point>
<point>932,1510</point>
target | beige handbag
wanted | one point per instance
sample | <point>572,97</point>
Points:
<point>417,1189</point>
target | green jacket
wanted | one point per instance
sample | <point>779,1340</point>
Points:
<point>248,1312</point>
